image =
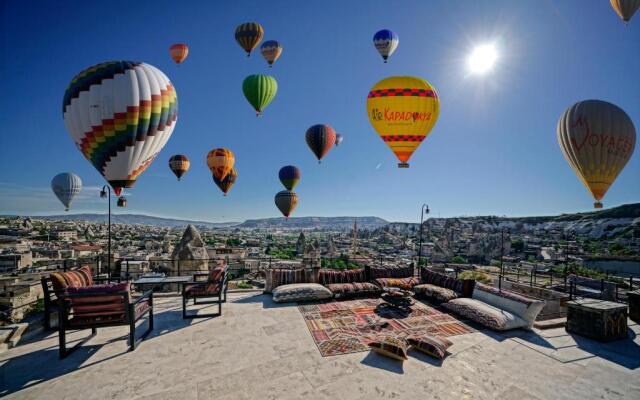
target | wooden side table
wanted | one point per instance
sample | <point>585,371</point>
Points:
<point>634,305</point>
<point>597,319</point>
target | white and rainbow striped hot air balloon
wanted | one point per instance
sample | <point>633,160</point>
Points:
<point>120,114</point>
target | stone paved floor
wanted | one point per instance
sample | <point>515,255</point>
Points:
<point>260,350</point>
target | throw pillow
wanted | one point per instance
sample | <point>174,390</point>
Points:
<point>435,346</point>
<point>390,346</point>
<point>301,292</point>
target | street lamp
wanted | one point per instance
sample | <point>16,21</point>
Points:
<point>501,256</point>
<point>106,192</point>
<point>423,210</point>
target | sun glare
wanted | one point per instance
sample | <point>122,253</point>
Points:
<point>482,59</point>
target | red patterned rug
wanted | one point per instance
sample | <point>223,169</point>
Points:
<point>344,327</point>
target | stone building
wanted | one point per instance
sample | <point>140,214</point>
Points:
<point>300,244</point>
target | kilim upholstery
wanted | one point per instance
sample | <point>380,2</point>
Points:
<point>401,283</point>
<point>390,346</point>
<point>463,287</point>
<point>437,293</point>
<point>97,306</point>
<point>401,271</point>
<point>214,287</point>
<point>354,289</point>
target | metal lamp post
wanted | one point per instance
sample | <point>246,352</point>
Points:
<point>423,210</point>
<point>501,257</point>
<point>106,192</point>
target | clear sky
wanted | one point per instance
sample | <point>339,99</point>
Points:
<point>492,151</point>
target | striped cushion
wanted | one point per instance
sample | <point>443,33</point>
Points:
<point>434,346</point>
<point>434,292</point>
<point>280,276</point>
<point>301,292</point>
<point>405,271</point>
<point>342,290</point>
<point>327,276</point>
<point>390,346</point>
<point>82,277</point>
<point>402,283</point>
<point>103,308</point>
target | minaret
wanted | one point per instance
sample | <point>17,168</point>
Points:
<point>354,238</point>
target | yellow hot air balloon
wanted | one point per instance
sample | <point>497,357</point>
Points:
<point>597,139</point>
<point>403,110</point>
<point>220,162</point>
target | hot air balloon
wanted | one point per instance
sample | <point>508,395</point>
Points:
<point>403,110</point>
<point>271,51</point>
<point>339,139</point>
<point>259,91</point>
<point>179,52</point>
<point>179,165</point>
<point>120,114</point>
<point>286,201</point>
<point>122,201</point>
<point>320,139</point>
<point>625,8</point>
<point>289,176</point>
<point>228,181</point>
<point>66,186</point>
<point>597,139</point>
<point>248,35</point>
<point>386,42</point>
<point>220,162</point>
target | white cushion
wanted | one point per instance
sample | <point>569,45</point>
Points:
<point>301,292</point>
<point>527,309</point>
<point>485,314</point>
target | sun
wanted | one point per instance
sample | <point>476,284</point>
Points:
<point>482,59</point>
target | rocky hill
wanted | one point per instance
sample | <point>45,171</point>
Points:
<point>337,223</point>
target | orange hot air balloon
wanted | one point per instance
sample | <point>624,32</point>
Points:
<point>403,110</point>
<point>220,162</point>
<point>597,138</point>
<point>228,181</point>
<point>625,8</point>
<point>179,52</point>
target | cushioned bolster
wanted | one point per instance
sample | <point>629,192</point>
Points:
<point>98,309</point>
<point>485,314</point>
<point>402,283</point>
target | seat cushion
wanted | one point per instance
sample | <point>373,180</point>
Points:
<point>301,292</point>
<point>524,307</point>
<point>484,314</point>
<point>435,346</point>
<point>203,289</point>
<point>390,346</point>
<point>401,283</point>
<point>343,290</point>
<point>437,293</point>
<point>103,303</point>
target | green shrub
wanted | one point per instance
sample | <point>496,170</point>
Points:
<point>477,275</point>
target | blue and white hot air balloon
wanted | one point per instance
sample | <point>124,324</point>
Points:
<point>66,186</point>
<point>386,42</point>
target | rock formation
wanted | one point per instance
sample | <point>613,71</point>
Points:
<point>190,255</point>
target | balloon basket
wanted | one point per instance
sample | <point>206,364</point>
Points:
<point>597,205</point>
<point>403,165</point>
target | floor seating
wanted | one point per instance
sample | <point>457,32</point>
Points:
<point>348,283</point>
<point>442,288</point>
<point>82,304</point>
<point>497,309</point>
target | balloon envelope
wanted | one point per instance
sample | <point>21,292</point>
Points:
<point>259,91</point>
<point>320,138</point>
<point>227,182</point>
<point>386,42</point>
<point>289,176</point>
<point>179,165</point>
<point>597,139</point>
<point>625,8</point>
<point>66,186</point>
<point>249,35</point>
<point>220,162</point>
<point>286,201</point>
<point>120,114</point>
<point>179,52</point>
<point>271,51</point>
<point>403,110</point>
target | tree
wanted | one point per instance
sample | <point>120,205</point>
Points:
<point>517,245</point>
<point>458,260</point>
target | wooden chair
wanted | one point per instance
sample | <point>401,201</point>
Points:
<point>215,287</point>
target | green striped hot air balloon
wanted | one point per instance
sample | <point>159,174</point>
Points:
<point>259,91</point>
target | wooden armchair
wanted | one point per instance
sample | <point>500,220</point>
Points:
<point>214,287</point>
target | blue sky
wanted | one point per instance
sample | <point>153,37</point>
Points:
<point>492,151</point>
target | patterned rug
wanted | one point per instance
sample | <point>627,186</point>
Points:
<point>349,326</point>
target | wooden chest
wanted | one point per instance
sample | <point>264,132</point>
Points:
<point>597,319</point>
<point>634,305</point>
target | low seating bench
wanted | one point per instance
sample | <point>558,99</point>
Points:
<point>214,288</point>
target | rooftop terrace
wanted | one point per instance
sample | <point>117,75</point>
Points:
<point>261,350</point>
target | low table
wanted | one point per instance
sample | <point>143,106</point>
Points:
<point>161,281</point>
<point>397,298</point>
<point>597,319</point>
